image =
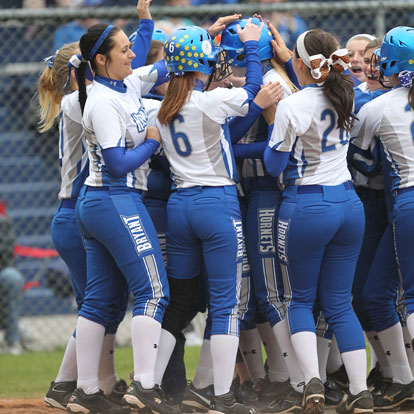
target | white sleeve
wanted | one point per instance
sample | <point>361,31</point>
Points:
<point>221,103</point>
<point>285,130</point>
<point>108,124</point>
<point>366,127</point>
<point>143,78</point>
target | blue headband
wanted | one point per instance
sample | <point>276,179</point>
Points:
<point>74,63</point>
<point>100,41</point>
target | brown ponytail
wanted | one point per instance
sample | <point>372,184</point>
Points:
<point>51,83</point>
<point>338,88</point>
<point>178,93</point>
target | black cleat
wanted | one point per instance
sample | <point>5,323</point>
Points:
<point>333,393</point>
<point>290,402</point>
<point>118,392</point>
<point>356,404</point>
<point>394,396</point>
<point>339,379</point>
<point>226,404</point>
<point>96,403</point>
<point>59,393</point>
<point>313,397</point>
<point>197,399</point>
<point>138,397</point>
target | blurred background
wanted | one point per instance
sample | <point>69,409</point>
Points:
<point>37,307</point>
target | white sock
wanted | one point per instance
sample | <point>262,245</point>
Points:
<point>223,354</point>
<point>356,367</point>
<point>409,348</point>
<point>283,338</point>
<point>324,345</point>
<point>334,358</point>
<point>304,344</point>
<point>374,358</point>
<point>145,335</point>
<point>89,340</point>
<point>204,373</point>
<point>410,325</point>
<point>375,343</point>
<point>107,375</point>
<point>250,345</point>
<point>392,341</point>
<point>165,350</point>
<point>68,370</point>
<point>278,371</point>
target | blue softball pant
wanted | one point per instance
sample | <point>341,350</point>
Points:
<point>320,230</point>
<point>122,251</point>
<point>376,222</point>
<point>67,240</point>
<point>403,225</point>
<point>204,226</point>
<point>263,200</point>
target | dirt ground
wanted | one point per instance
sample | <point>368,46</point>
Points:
<point>37,406</point>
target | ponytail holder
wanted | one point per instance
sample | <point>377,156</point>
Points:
<point>74,63</point>
<point>50,59</point>
<point>339,61</point>
<point>179,74</point>
<point>101,39</point>
<point>406,78</point>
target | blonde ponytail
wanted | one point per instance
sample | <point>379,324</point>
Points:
<point>51,84</point>
<point>282,72</point>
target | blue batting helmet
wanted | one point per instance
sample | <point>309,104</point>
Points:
<point>190,49</point>
<point>232,44</point>
<point>157,34</point>
<point>397,51</point>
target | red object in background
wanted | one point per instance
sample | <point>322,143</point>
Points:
<point>3,209</point>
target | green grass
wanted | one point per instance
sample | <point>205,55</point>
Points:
<point>29,375</point>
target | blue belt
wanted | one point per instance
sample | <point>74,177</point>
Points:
<point>399,191</point>
<point>69,203</point>
<point>122,189</point>
<point>309,189</point>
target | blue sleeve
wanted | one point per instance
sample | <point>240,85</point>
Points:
<point>366,162</point>
<point>253,150</point>
<point>275,161</point>
<point>163,75</point>
<point>238,126</point>
<point>120,161</point>
<point>362,98</point>
<point>142,43</point>
<point>291,73</point>
<point>254,77</point>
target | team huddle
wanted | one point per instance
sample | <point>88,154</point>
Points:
<point>216,169</point>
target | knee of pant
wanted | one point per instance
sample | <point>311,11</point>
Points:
<point>183,299</point>
<point>11,279</point>
<point>103,315</point>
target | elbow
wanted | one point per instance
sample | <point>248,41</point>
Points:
<point>115,171</point>
<point>270,165</point>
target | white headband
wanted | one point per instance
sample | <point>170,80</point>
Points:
<point>317,62</point>
<point>361,36</point>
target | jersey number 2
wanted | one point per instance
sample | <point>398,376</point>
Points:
<point>180,140</point>
<point>325,148</point>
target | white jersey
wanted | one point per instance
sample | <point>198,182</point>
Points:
<point>306,126</point>
<point>115,117</point>
<point>152,106</point>
<point>363,86</point>
<point>259,130</point>
<point>73,155</point>
<point>195,144</point>
<point>391,119</point>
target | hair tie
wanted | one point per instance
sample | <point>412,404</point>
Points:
<point>101,39</point>
<point>74,63</point>
<point>339,61</point>
<point>50,59</point>
<point>179,74</point>
<point>406,78</point>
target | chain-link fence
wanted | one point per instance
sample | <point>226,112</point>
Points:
<point>29,165</point>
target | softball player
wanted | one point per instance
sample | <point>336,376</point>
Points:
<point>126,248</point>
<point>203,214</point>
<point>321,221</point>
<point>57,84</point>
<point>389,117</point>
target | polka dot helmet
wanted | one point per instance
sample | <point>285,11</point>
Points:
<point>190,49</point>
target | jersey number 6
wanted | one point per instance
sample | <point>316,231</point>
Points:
<point>180,140</point>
